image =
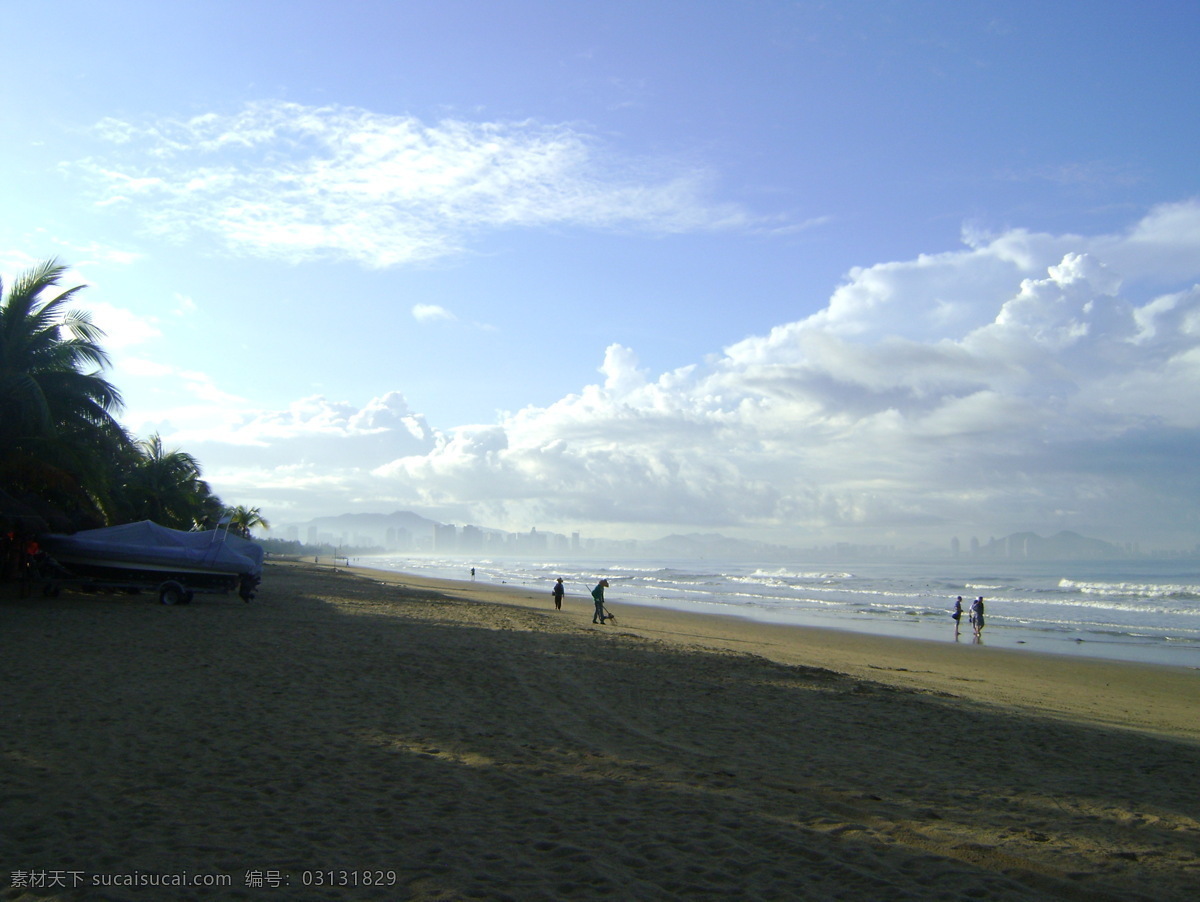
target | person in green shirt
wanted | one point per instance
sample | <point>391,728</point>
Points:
<point>598,596</point>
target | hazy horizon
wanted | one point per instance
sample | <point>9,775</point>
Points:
<point>800,273</point>
<point>396,532</point>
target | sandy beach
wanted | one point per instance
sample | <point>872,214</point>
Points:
<point>354,734</point>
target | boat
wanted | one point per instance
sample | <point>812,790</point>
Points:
<point>176,562</point>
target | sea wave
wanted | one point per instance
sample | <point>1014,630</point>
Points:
<point>783,573</point>
<point>1130,589</point>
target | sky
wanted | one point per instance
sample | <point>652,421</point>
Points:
<point>800,272</point>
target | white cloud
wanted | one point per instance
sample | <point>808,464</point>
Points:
<point>184,406</point>
<point>424,313</point>
<point>92,252</point>
<point>294,182</point>
<point>315,442</point>
<point>13,263</point>
<point>1014,384</point>
<point>122,328</point>
<point>621,374</point>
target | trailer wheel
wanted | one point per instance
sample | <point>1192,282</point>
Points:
<point>171,593</point>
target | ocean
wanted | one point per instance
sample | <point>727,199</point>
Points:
<point>1140,610</point>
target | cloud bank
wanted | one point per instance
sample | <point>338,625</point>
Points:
<point>1023,381</point>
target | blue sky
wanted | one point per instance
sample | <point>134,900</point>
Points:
<point>804,272</point>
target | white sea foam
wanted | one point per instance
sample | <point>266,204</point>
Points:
<point>1145,590</point>
<point>1120,609</point>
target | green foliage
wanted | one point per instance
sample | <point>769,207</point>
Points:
<point>57,425</point>
<point>165,486</point>
<point>243,519</point>
<point>60,442</point>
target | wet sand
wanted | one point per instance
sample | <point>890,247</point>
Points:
<point>466,741</point>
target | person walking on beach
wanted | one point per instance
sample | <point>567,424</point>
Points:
<point>957,613</point>
<point>598,596</point>
<point>559,591</point>
<point>977,615</point>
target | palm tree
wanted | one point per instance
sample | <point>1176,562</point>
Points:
<point>165,486</point>
<point>243,519</point>
<point>57,425</point>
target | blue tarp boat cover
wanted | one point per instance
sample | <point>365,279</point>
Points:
<point>147,542</point>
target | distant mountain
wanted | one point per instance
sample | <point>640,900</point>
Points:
<point>374,525</point>
<point>1061,546</point>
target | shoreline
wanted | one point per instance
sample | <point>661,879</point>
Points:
<point>446,740</point>
<point>1133,645</point>
<point>1160,698</point>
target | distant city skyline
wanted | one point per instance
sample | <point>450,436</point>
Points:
<point>474,540</point>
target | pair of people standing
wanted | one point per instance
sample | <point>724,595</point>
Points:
<point>975,616</point>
